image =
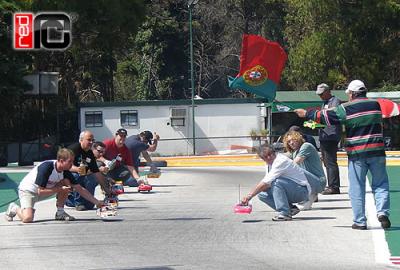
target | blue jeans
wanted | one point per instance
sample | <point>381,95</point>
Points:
<point>123,174</point>
<point>89,182</point>
<point>282,193</point>
<point>380,186</point>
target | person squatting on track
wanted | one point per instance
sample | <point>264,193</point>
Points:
<point>142,143</point>
<point>284,183</point>
<point>86,172</point>
<point>306,156</point>
<point>307,138</point>
<point>365,149</point>
<point>98,149</point>
<point>124,169</point>
<point>44,180</point>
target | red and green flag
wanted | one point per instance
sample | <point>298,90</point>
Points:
<point>261,65</point>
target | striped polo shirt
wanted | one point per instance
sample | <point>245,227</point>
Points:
<point>362,119</point>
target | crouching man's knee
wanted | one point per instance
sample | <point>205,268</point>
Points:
<point>27,215</point>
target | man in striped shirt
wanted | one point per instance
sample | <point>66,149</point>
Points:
<point>362,119</point>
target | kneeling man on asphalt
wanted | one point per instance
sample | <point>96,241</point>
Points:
<point>285,183</point>
<point>46,179</point>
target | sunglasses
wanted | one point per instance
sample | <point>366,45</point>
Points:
<point>100,151</point>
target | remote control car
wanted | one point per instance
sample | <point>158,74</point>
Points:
<point>112,201</point>
<point>154,175</point>
<point>144,187</point>
<point>154,172</point>
<point>107,213</point>
<point>242,209</point>
<point>118,188</point>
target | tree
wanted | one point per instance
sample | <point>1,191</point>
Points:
<point>218,33</point>
<point>100,33</point>
<point>12,69</point>
<point>156,66</point>
<point>337,41</point>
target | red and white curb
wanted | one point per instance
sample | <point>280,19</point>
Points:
<point>395,260</point>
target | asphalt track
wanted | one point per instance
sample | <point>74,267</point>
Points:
<point>187,222</point>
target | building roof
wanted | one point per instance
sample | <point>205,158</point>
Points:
<point>281,96</point>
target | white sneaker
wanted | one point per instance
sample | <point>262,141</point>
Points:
<point>307,205</point>
<point>281,217</point>
<point>304,206</point>
<point>11,211</point>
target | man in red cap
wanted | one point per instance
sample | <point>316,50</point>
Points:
<point>116,149</point>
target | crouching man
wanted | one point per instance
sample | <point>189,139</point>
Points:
<point>46,179</point>
<point>285,183</point>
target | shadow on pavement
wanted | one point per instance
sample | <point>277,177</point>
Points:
<point>144,268</point>
<point>132,207</point>
<point>172,185</point>
<point>331,208</point>
<point>52,222</point>
<point>372,228</point>
<point>131,200</point>
<point>312,218</point>
<point>145,192</point>
<point>181,219</point>
<point>253,221</point>
<point>333,200</point>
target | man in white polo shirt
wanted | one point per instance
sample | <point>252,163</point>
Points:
<point>284,183</point>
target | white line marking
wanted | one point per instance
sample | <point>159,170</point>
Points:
<point>382,253</point>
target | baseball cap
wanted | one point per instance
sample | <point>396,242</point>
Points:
<point>121,132</point>
<point>148,136</point>
<point>321,88</point>
<point>295,128</point>
<point>356,86</point>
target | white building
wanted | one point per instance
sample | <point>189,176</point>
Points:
<point>220,124</point>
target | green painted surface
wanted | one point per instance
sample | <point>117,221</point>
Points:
<point>9,188</point>
<point>393,234</point>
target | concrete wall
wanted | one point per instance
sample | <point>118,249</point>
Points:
<point>212,120</point>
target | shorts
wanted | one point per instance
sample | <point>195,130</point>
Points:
<point>27,199</point>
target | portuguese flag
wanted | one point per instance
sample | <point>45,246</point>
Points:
<point>261,65</point>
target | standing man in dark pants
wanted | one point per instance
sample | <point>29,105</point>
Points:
<point>365,149</point>
<point>329,138</point>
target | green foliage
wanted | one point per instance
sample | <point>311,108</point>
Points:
<point>342,40</point>
<point>136,49</point>
<point>158,54</point>
<point>13,66</point>
<point>101,30</point>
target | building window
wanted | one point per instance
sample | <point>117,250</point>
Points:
<point>94,119</point>
<point>129,118</point>
<point>178,122</point>
<point>178,116</point>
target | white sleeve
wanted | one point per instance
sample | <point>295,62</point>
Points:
<point>278,167</point>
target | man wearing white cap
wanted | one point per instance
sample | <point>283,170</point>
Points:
<point>362,118</point>
<point>329,138</point>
